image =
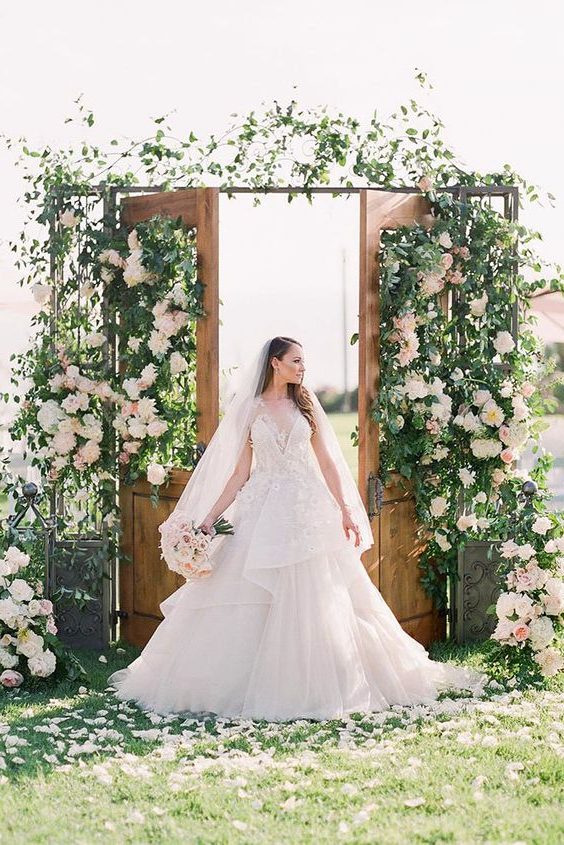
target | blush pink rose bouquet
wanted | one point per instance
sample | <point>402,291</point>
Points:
<point>186,548</point>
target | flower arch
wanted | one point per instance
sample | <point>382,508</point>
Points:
<point>459,395</point>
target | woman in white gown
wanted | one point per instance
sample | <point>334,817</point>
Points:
<point>288,624</point>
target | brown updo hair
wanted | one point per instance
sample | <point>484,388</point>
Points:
<point>299,394</point>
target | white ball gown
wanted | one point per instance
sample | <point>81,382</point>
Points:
<point>288,625</point>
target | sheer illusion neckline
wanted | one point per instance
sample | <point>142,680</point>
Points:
<point>281,435</point>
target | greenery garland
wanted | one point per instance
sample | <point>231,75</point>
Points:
<point>306,148</point>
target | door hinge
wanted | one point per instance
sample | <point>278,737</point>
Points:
<point>375,494</point>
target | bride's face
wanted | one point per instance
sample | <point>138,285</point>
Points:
<point>291,367</point>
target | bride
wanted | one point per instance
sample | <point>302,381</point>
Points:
<point>288,624</point>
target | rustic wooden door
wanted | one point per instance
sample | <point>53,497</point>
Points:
<point>392,562</point>
<point>146,581</point>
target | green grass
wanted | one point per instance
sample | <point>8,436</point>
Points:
<point>344,424</point>
<point>474,770</point>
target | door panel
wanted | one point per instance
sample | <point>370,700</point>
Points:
<point>399,540</point>
<point>146,581</point>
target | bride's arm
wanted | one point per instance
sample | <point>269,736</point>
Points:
<point>238,477</point>
<point>333,479</point>
<point>329,470</point>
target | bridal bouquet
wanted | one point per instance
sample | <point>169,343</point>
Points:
<point>186,548</point>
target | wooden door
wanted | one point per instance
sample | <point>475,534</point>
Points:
<point>392,562</point>
<point>146,581</point>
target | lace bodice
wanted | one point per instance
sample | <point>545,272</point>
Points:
<point>280,439</point>
<point>285,465</point>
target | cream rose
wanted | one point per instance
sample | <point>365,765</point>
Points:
<point>156,474</point>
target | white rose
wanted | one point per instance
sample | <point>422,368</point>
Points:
<point>148,376</point>
<point>525,552</point>
<point>542,632</point>
<point>63,442</point>
<point>503,343</point>
<point>466,521</point>
<point>157,427</point>
<point>415,388</point>
<point>467,477</point>
<point>457,374</point>
<point>95,339</point>
<point>481,397</point>
<point>68,218</point>
<point>156,474</point>
<point>541,525</point>
<point>158,343</point>
<point>481,497</point>
<point>133,240</point>
<point>438,506</point>
<point>42,664</point>
<point>146,409</point>
<point>50,415</point>
<point>29,643</point>
<point>550,660</point>
<point>442,541</point>
<point>505,605</point>
<point>178,364</point>
<point>478,306</point>
<point>470,422</point>
<point>16,558</point>
<point>7,659</point>
<point>41,293</point>
<point>131,387</point>
<point>509,549</point>
<point>485,448</point>
<point>137,429</point>
<point>445,240</point>
<point>503,630</point>
<point>10,612</point>
<point>134,343</point>
<point>20,590</point>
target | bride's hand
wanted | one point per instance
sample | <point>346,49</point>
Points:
<point>350,525</point>
<point>206,525</point>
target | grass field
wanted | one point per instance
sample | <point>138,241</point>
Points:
<point>344,424</point>
<point>85,767</point>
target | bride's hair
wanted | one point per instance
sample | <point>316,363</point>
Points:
<point>298,393</point>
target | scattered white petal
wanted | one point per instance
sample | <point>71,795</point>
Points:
<point>414,802</point>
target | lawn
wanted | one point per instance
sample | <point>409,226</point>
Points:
<point>343,425</point>
<point>83,767</point>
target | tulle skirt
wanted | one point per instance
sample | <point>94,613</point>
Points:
<point>287,626</point>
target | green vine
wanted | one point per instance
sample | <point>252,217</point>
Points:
<point>73,256</point>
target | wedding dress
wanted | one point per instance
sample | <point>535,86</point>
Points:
<point>288,624</point>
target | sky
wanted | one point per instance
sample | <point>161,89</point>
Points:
<point>497,74</point>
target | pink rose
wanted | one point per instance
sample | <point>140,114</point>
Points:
<point>464,252</point>
<point>10,678</point>
<point>432,426</point>
<point>507,456</point>
<point>456,278</point>
<point>123,458</point>
<point>45,607</point>
<point>521,632</point>
<point>446,260</point>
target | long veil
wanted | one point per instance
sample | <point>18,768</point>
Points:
<point>221,455</point>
